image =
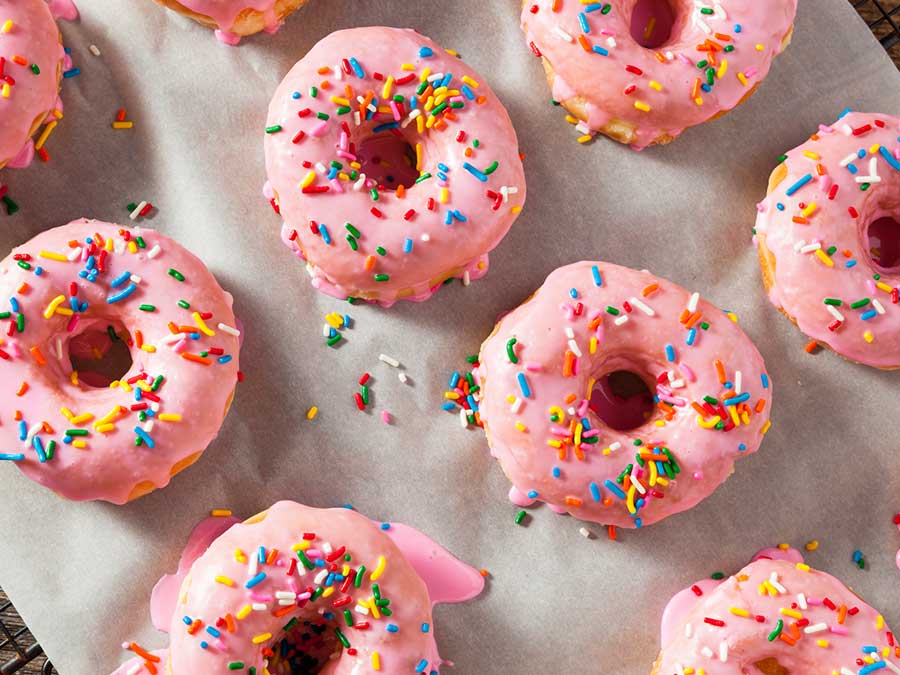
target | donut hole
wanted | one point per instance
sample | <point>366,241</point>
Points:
<point>770,667</point>
<point>99,357</point>
<point>622,400</point>
<point>388,159</point>
<point>652,22</point>
<point>306,647</point>
<point>884,243</point>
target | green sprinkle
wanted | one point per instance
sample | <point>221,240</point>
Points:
<point>706,10</point>
<point>437,110</point>
<point>729,48</point>
<point>322,116</point>
<point>140,242</point>
<point>5,315</point>
<point>492,168</point>
<point>510,352</point>
<point>381,250</point>
<point>472,358</point>
<point>364,391</point>
<point>704,325</point>
<point>35,69</point>
<point>20,323</point>
<point>382,277</point>
<point>157,383</point>
<point>348,617</point>
<point>425,176</point>
<point>520,516</point>
<point>314,92</point>
<point>24,265</point>
<point>342,638</point>
<point>859,303</point>
<point>131,207</point>
<point>147,308</point>
<point>374,194</point>
<point>343,110</point>
<point>353,244</point>
<point>612,310</point>
<point>782,158</point>
<point>476,143</point>
<point>352,230</point>
<point>11,206</point>
<point>51,449</point>
<point>307,563</point>
<point>175,273</point>
<point>184,304</point>
<point>833,301</point>
<point>332,341</point>
<point>775,633</point>
<point>77,432</point>
<point>717,576</point>
<point>274,129</point>
<point>236,665</point>
<point>360,573</point>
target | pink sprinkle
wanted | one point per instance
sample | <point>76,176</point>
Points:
<point>385,417</point>
<point>319,129</point>
<point>533,367</point>
<point>688,373</point>
<point>838,630</point>
<point>590,433</point>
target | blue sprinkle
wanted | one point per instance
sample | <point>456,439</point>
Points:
<point>73,303</point>
<point>212,630</point>
<point>225,359</point>
<point>861,153</point>
<point>523,385</point>
<point>448,218</point>
<point>121,279</point>
<point>423,664</point>
<point>11,457</point>
<point>573,293</point>
<point>144,436</point>
<point>615,489</point>
<point>598,280</point>
<point>121,295</point>
<point>187,620</point>
<point>889,158</point>
<point>454,380</point>
<point>705,87</point>
<point>799,184</point>
<point>448,406</point>
<point>204,644</point>
<point>360,73</point>
<point>392,628</point>
<point>72,73</point>
<point>556,472</point>
<point>871,314</point>
<point>467,91</point>
<point>39,270</point>
<point>14,304</point>
<point>385,526</point>
<point>295,95</point>
<point>692,335</point>
<point>638,523</point>
<point>38,446</point>
<point>255,580</point>
<point>878,665</point>
<point>323,230</point>
<point>425,627</point>
<point>600,50</point>
<point>852,168</point>
<point>765,380</point>
<point>67,440</point>
<point>261,554</point>
<point>532,494</point>
<point>670,353</point>
<point>779,206</point>
<point>850,263</point>
<point>595,491</point>
<point>585,26</point>
<point>23,430</point>
<point>742,447</point>
<point>738,28</point>
<point>475,172</point>
<point>844,113</point>
<point>386,127</point>
<point>407,245</point>
<point>729,385</point>
<point>734,400</point>
<point>425,52</point>
<point>857,556</point>
<point>593,7</point>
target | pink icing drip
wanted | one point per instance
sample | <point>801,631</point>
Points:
<point>63,9</point>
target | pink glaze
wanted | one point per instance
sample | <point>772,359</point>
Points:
<point>419,219</point>
<point>755,28</point>
<point>34,37</point>
<point>813,599</point>
<point>553,323</point>
<point>415,567</point>
<point>63,9</point>
<point>804,278</point>
<point>110,466</point>
<point>225,14</point>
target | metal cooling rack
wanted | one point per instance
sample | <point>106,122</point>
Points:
<point>20,653</point>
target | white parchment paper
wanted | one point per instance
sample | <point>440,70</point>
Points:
<point>81,574</point>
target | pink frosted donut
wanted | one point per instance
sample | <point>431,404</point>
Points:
<point>548,425</point>
<point>32,57</point>
<point>327,587</point>
<point>828,235</point>
<point>157,415</point>
<point>394,165</point>
<point>234,19</point>
<point>643,71</point>
<point>777,616</point>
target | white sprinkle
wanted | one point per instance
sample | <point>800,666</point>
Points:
<point>361,183</point>
<point>584,532</point>
<point>801,601</point>
<point>259,606</point>
<point>816,628</point>
<point>95,50</point>
<point>773,579</point>
<point>642,306</point>
<point>402,377</point>
<point>361,610</point>
<point>394,363</point>
<point>563,34</point>
<point>615,446</point>
<point>516,406</point>
<point>252,566</point>
<point>688,630</point>
<point>466,280</point>
<point>326,330</point>
<point>153,252</point>
<point>148,426</point>
<point>692,303</point>
<point>136,279</point>
<point>723,651</point>
<point>707,652</point>
<point>620,320</point>
<point>135,669</point>
<point>463,420</point>
<point>281,595</point>
<point>809,248</point>
<point>172,338</point>
<point>225,328</point>
<point>574,347</point>
<point>74,254</point>
<point>878,306</point>
<point>849,158</point>
<point>737,382</point>
<point>321,576</point>
<point>569,332</point>
<point>137,211</point>
<point>834,312</point>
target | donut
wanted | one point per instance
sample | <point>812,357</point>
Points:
<point>777,616</point>
<point>234,19</point>
<point>86,439</point>
<point>32,53</point>
<point>300,589</point>
<point>643,71</point>
<point>394,166</point>
<point>829,240</point>
<point>558,441</point>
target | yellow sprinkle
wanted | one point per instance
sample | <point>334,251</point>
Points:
<point>418,157</point>
<point>708,424</point>
<point>445,195</point>
<point>629,501</point>
<point>469,81</point>
<point>243,612</point>
<point>45,134</point>
<point>766,427</point>
<point>879,622</point>
<point>424,76</point>
<point>379,569</point>
<point>822,643</point>
<point>521,427</point>
<point>300,546</point>
<point>220,513</point>
<point>655,85</point>
<point>5,90</point>
<point>803,567</point>
<point>132,247</point>
<point>742,78</point>
<point>407,66</point>
<point>259,639</point>
<point>328,591</point>
<point>312,412</point>
<point>812,545</point>
<point>811,154</point>
<point>340,100</point>
<point>784,547</point>
<point>79,444</point>
<point>50,255</point>
<point>809,210</point>
<point>64,311</point>
<point>376,661</point>
<point>240,556</point>
<point>169,417</point>
<point>554,444</point>
<point>334,320</point>
<point>308,180</point>
<point>452,395</point>
<point>386,91</point>
<point>737,611</point>
<point>868,336</point>
<point>105,428</point>
<point>122,125</point>
<point>759,47</point>
<point>202,325</point>
<point>791,613</point>
<point>585,138</point>
<point>66,413</point>
<point>148,348</point>
<point>7,26</point>
<point>225,581</point>
<point>640,105</point>
<point>592,345</point>
<point>571,119</point>
<point>722,69</point>
<point>821,255</point>
<point>78,420</point>
<point>51,308</point>
<point>884,287</point>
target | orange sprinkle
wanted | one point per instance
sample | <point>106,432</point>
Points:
<point>649,289</point>
<point>47,428</point>
<point>611,530</point>
<point>324,70</point>
<point>401,191</point>
<point>568,365</point>
<point>811,346</point>
<point>842,614</point>
<point>720,370</point>
<point>683,316</point>
<point>229,622</point>
<point>760,404</point>
<point>699,408</point>
<point>22,389</point>
<point>24,288</point>
<point>138,338</point>
<point>585,45</point>
<point>136,648</point>
<point>270,559</point>
<point>483,573</point>
<point>370,263</point>
<point>284,610</point>
<point>36,353</point>
<point>573,501</point>
<point>196,358</point>
<point>694,318</point>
